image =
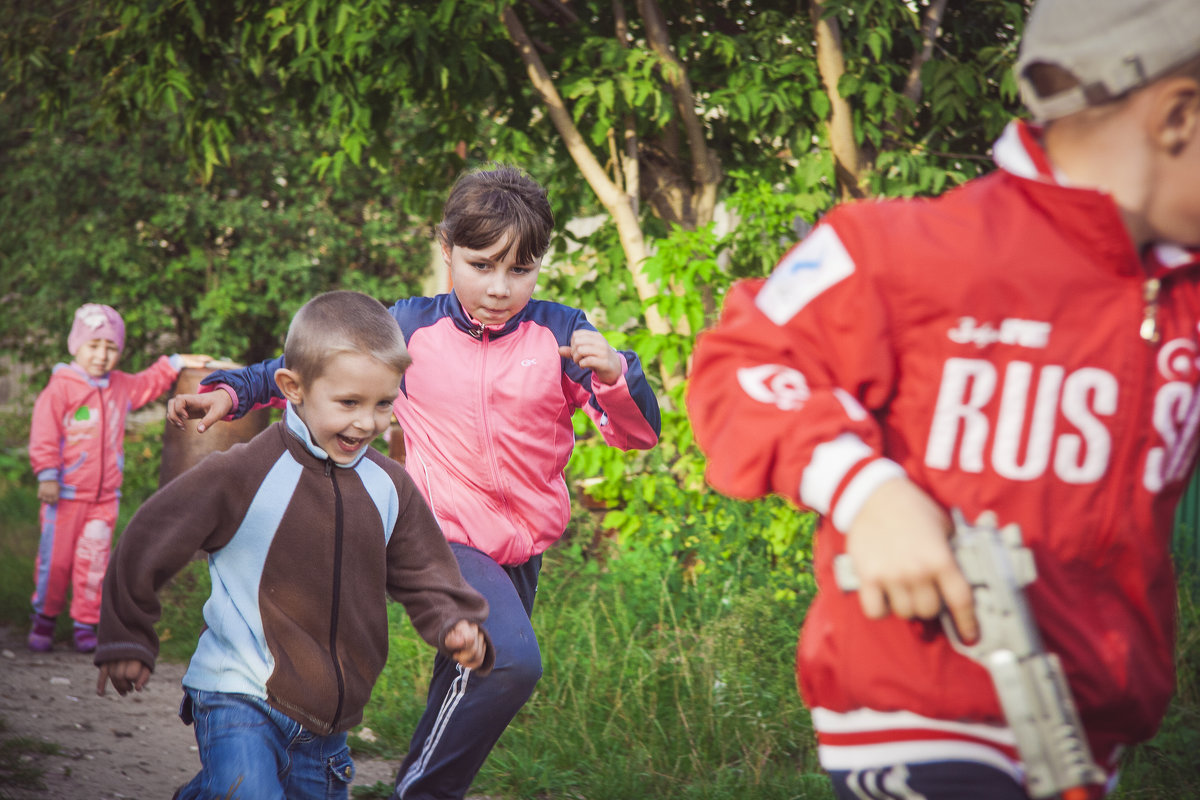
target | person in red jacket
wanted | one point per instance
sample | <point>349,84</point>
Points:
<point>1026,344</point>
<point>76,448</point>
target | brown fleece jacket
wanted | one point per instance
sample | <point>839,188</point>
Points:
<point>303,555</point>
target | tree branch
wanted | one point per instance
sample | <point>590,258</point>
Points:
<point>614,200</point>
<point>831,63</point>
<point>706,169</point>
<point>929,31</point>
<point>629,162</point>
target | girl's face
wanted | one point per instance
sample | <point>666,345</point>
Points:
<point>491,287</point>
<point>97,357</point>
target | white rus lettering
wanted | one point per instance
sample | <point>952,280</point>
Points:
<point>1006,451</point>
<point>1088,393</point>
<point>954,407</point>
<point>1079,456</point>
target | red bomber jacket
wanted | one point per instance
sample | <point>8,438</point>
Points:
<point>1006,348</point>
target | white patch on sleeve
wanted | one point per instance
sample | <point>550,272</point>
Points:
<point>779,386</point>
<point>808,269</point>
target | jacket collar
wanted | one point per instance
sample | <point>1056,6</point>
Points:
<point>299,431</point>
<point>75,371</point>
<point>1019,152</point>
<point>468,324</point>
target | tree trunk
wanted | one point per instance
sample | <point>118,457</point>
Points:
<point>831,63</point>
<point>618,203</point>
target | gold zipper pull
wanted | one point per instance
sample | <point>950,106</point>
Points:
<point>1149,328</point>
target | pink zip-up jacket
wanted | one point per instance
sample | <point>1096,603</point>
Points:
<point>77,436</point>
<point>486,415</point>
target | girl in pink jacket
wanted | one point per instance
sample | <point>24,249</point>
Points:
<point>486,410</point>
<point>76,449</point>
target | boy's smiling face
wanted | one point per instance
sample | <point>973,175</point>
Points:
<point>347,406</point>
<point>489,283</point>
<point>97,357</point>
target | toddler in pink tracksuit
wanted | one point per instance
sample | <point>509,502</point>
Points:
<point>76,448</point>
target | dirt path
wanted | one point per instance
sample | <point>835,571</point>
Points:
<point>131,747</point>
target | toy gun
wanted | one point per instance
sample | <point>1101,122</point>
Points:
<point>1029,681</point>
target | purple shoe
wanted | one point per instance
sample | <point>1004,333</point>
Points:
<point>85,638</point>
<point>41,635</point>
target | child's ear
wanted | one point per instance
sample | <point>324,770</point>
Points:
<point>1178,113</point>
<point>445,251</point>
<point>289,383</point>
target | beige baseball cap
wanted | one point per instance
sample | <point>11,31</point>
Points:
<point>1109,46</point>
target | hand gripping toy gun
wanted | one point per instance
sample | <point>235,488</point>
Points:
<point>1029,681</point>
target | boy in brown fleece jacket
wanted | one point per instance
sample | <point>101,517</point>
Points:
<point>308,530</point>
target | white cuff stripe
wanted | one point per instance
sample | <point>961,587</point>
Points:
<point>830,463</point>
<point>860,488</point>
<point>868,719</point>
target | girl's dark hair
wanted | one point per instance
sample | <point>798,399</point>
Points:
<point>494,203</point>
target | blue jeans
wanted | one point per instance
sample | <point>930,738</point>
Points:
<point>250,751</point>
<point>466,714</point>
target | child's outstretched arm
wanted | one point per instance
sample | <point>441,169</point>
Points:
<point>252,386</point>
<point>209,408</point>
<point>467,644</point>
<point>125,675</point>
<point>899,546</point>
<point>145,386</point>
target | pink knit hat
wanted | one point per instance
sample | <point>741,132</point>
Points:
<point>95,321</point>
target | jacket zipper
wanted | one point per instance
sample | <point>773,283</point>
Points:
<point>1149,327</point>
<point>103,444</point>
<point>337,591</point>
<point>484,340</point>
<point>1149,333</point>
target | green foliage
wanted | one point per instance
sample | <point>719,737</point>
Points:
<point>215,268</point>
<point>940,137</point>
<point>658,500</point>
<point>1166,766</point>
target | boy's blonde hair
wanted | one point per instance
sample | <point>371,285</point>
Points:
<point>1077,54</point>
<point>342,322</point>
<point>488,205</point>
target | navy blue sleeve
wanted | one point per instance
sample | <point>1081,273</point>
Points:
<point>564,321</point>
<point>640,391</point>
<point>254,385</point>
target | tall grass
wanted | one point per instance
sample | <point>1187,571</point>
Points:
<point>1168,766</point>
<point>642,699</point>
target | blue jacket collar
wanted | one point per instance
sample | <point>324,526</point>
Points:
<point>297,428</point>
<point>79,372</point>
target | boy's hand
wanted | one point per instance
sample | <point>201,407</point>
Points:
<point>125,675</point>
<point>209,407</point>
<point>48,492</point>
<point>467,644</point>
<point>590,350</point>
<point>899,546</point>
<point>195,360</point>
